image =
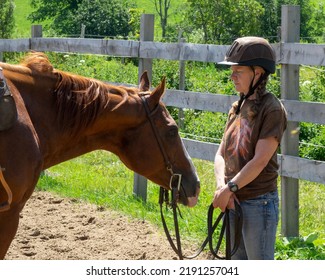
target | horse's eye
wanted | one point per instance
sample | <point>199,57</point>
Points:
<point>173,132</point>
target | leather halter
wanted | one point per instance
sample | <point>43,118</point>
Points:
<point>175,185</point>
<point>160,144</point>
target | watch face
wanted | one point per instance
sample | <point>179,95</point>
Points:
<point>233,187</point>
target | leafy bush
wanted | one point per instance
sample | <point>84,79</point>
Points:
<point>7,21</point>
<point>312,145</point>
<point>101,17</point>
<point>306,248</point>
<point>312,84</point>
<point>99,67</point>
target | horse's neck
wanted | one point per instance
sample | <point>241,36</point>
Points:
<point>105,133</point>
<point>37,101</point>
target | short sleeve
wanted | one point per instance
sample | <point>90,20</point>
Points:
<point>274,124</point>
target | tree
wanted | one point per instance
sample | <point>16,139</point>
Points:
<point>312,18</point>
<point>7,21</point>
<point>223,20</point>
<point>101,17</point>
<point>134,22</point>
<point>162,7</point>
<point>270,20</point>
<point>58,12</point>
<point>316,24</point>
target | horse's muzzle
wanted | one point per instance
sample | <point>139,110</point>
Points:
<point>192,201</point>
<point>189,200</point>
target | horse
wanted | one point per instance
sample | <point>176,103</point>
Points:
<point>61,115</point>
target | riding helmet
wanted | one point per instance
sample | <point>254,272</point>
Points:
<point>251,51</point>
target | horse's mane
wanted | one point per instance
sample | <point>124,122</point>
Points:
<point>79,99</point>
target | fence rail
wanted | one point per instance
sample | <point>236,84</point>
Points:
<point>288,53</point>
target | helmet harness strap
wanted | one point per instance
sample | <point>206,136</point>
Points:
<point>252,89</point>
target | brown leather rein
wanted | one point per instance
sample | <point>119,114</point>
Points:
<point>175,185</point>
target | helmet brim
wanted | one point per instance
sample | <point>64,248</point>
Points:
<point>225,62</point>
<point>268,65</point>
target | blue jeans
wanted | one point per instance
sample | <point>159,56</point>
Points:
<point>260,220</point>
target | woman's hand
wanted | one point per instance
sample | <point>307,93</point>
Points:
<point>223,198</point>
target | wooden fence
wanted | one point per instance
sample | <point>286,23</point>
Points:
<point>289,53</point>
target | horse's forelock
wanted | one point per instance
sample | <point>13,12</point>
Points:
<point>37,62</point>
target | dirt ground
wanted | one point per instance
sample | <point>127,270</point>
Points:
<point>56,228</point>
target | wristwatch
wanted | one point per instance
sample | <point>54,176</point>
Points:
<point>233,187</point>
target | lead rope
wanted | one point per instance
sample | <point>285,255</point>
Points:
<point>225,228</point>
<point>178,247</point>
<point>223,216</point>
<point>4,206</point>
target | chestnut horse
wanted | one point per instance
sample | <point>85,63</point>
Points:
<point>61,116</point>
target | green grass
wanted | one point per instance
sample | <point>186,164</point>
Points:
<point>99,177</point>
<point>22,24</point>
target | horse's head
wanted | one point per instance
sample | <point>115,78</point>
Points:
<point>154,148</point>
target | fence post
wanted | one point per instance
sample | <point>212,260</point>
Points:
<point>145,64</point>
<point>83,31</point>
<point>146,34</point>
<point>181,82</point>
<point>36,31</point>
<point>290,32</point>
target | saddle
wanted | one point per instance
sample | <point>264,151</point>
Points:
<point>8,110</point>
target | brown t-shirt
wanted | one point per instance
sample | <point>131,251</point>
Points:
<point>240,138</point>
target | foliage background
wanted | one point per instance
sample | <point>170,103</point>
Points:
<point>7,20</point>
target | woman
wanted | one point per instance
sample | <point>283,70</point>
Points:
<point>246,161</point>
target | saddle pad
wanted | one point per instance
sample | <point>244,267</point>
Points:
<point>8,112</point>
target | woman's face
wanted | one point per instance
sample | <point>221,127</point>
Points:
<point>242,77</point>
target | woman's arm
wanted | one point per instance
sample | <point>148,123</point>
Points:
<point>265,148</point>
<point>219,167</point>
<point>264,151</point>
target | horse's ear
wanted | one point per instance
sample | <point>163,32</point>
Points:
<point>157,93</point>
<point>144,82</point>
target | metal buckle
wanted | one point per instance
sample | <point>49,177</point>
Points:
<point>175,181</point>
